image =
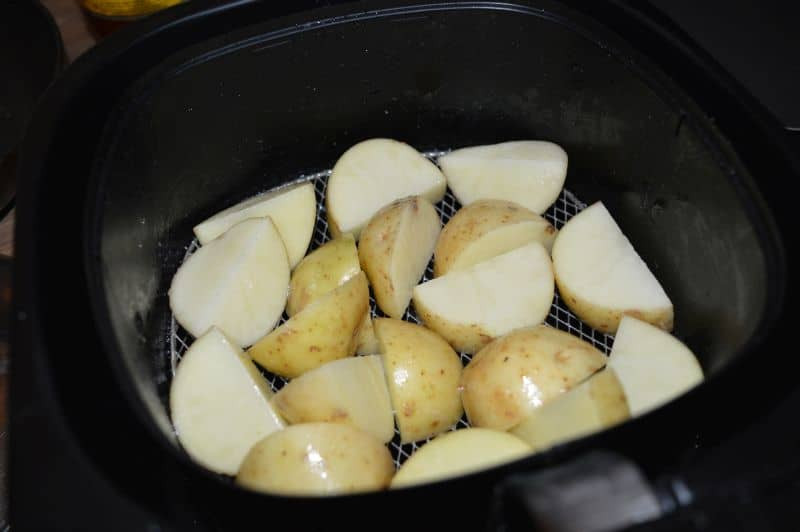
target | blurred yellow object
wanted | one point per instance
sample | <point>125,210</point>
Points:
<point>125,9</point>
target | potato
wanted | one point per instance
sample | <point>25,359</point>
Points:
<point>471,307</point>
<point>366,342</point>
<point>458,453</point>
<point>236,282</point>
<point>516,374</point>
<point>395,248</point>
<point>485,229</point>
<point>323,331</point>
<point>596,404</point>
<point>327,267</point>
<point>317,459</point>
<point>371,175</point>
<point>529,172</point>
<point>220,403</point>
<point>601,277</point>
<point>652,365</point>
<point>293,209</point>
<point>423,373</point>
<point>351,390</point>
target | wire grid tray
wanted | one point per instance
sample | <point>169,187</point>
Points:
<point>560,317</point>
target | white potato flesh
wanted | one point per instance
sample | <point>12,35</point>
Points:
<point>351,390</point>
<point>220,403</point>
<point>470,307</point>
<point>237,282</point>
<point>597,403</point>
<point>317,459</point>
<point>652,365</point>
<point>528,172</point>
<point>601,277</point>
<point>458,453</point>
<point>373,174</point>
<point>293,209</point>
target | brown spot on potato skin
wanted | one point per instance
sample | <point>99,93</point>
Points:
<point>314,348</point>
<point>409,408</point>
<point>550,230</point>
<point>338,415</point>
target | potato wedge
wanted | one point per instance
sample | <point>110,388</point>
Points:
<point>458,453</point>
<point>371,175</point>
<point>593,405</point>
<point>237,282</point>
<point>528,172</point>
<point>220,403</point>
<point>471,307</point>
<point>323,331</point>
<point>351,390</point>
<point>601,277</point>
<point>317,459</point>
<point>395,248</point>
<point>423,374</point>
<point>293,209</point>
<point>652,365</point>
<point>485,229</point>
<point>516,374</point>
<point>366,342</point>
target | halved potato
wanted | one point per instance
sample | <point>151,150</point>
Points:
<point>293,209</point>
<point>652,365</point>
<point>471,307</point>
<point>237,282</point>
<point>528,172</point>
<point>423,374</point>
<point>323,331</point>
<point>317,459</point>
<point>220,403</point>
<point>593,405</point>
<point>601,277</point>
<point>516,374</point>
<point>395,248</point>
<point>485,229</point>
<point>351,390</point>
<point>458,453</point>
<point>371,175</point>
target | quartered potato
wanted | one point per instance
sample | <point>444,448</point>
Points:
<point>293,209</point>
<point>395,248</point>
<point>317,459</point>
<point>423,374</point>
<point>373,174</point>
<point>593,405</point>
<point>528,172</point>
<point>601,277</point>
<point>652,365</point>
<point>220,403</point>
<point>516,374</point>
<point>485,229</point>
<point>458,453</point>
<point>351,390</point>
<point>237,282</point>
<point>323,331</point>
<point>471,307</point>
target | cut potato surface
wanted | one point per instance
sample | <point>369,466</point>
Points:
<point>652,365</point>
<point>423,374</point>
<point>323,331</point>
<point>220,403</point>
<point>317,459</point>
<point>395,248</point>
<point>371,175</point>
<point>528,172</point>
<point>237,282</point>
<point>485,229</point>
<point>470,307</point>
<point>351,390</point>
<point>458,453</point>
<point>293,209</point>
<point>601,277</point>
<point>594,405</point>
<point>516,374</point>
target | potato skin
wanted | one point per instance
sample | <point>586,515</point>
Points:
<point>517,373</point>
